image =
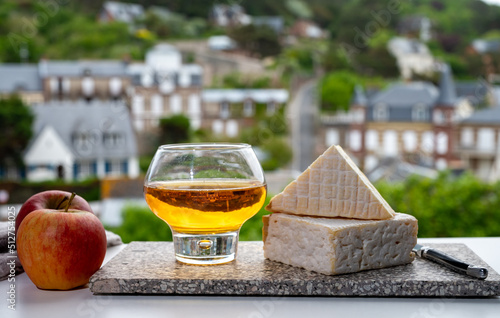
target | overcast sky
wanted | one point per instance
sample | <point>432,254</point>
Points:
<point>497,2</point>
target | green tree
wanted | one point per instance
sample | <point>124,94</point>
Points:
<point>336,90</point>
<point>16,121</point>
<point>174,129</point>
<point>260,41</point>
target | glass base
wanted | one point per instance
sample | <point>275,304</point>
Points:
<point>205,249</point>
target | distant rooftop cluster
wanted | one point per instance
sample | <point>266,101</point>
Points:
<point>94,117</point>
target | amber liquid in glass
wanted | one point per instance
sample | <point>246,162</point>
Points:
<point>205,206</point>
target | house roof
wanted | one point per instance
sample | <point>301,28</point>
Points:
<point>359,97</point>
<point>240,95</point>
<point>447,90</point>
<point>24,77</point>
<point>407,95</point>
<point>97,68</point>
<point>403,46</point>
<point>474,91</point>
<point>393,169</point>
<point>486,46</point>
<point>276,23</point>
<point>485,116</point>
<point>94,119</point>
<point>124,12</point>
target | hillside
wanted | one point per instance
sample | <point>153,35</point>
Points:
<point>34,29</point>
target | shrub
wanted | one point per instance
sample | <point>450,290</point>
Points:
<point>448,206</point>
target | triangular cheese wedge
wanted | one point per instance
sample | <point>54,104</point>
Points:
<point>332,186</point>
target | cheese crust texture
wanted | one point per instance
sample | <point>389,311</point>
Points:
<point>338,246</point>
<point>332,186</point>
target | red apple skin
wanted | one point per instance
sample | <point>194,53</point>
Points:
<point>52,199</point>
<point>61,250</point>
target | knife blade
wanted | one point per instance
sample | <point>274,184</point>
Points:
<point>450,262</point>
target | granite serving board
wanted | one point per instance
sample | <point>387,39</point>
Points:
<point>151,268</point>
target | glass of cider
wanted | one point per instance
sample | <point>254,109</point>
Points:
<point>205,192</point>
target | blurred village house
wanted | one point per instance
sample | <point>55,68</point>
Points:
<point>93,116</point>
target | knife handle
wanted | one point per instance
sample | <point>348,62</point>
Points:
<point>454,264</point>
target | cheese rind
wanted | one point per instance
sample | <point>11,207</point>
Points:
<point>332,186</point>
<point>338,246</point>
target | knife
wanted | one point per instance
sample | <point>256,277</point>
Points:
<point>450,262</point>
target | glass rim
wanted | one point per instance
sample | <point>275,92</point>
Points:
<point>205,146</point>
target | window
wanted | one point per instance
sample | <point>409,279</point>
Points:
<point>195,80</point>
<point>441,143</point>
<point>115,167</point>
<point>88,86</point>
<point>115,87</point>
<point>175,104</point>
<point>486,139</point>
<point>380,112</point>
<point>84,141</point>
<point>271,108</point>
<point>428,141</point>
<point>112,139</point>
<point>390,143</point>
<point>232,128</point>
<point>371,140</point>
<point>217,127</point>
<point>332,137</point>
<point>194,108</point>
<point>355,140</point>
<point>248,108</point>
<point>224,110</point>
<point>441,164</point>
<point>157,105</point>
<point>85,169</point>
<point>419,113</point>
<point>410,141</point>
<point>137,104</point>
<point>467,137</point>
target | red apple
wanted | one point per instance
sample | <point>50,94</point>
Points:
<point>52,199</point>
<point>61,249</point>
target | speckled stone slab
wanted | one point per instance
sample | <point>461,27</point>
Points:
<point>151,268</point>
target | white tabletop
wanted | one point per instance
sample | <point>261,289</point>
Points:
<point>32,302</point>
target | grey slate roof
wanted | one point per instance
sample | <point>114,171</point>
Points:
<point>124,12</point>
<point>447,96</point>
<point>19,77</point>
<point>486,46</point>
<point>407,95</point>
<point>359,97</point>
<point>95,118</point>
<point>485,116</point>
<point>397,170</point>
<point>474,91</point>
<point>104,68</point>
<point>276,23</point>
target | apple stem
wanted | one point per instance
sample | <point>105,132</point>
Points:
<point>69,201</point>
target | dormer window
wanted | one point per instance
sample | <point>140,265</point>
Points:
<point>112,139</point>
<point>419,113</point>
<point>224,110</point>
<point>380,112</point>
<point>84,141</point>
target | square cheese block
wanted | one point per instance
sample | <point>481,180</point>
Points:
<point>338,246</point>
<point>332,186</point>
